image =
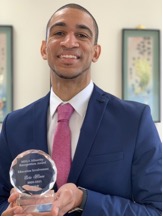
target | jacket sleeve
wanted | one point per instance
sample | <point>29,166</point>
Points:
<point>5,162</point>
<point>146,179</point>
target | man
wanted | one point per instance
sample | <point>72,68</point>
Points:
<point>116,149</point>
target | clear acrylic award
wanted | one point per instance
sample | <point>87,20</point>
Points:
<point>33,173</point>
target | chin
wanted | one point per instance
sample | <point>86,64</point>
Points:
<point>68,77</point>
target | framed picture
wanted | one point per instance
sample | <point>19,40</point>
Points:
<point>6,70</point>
<point>141,68</point>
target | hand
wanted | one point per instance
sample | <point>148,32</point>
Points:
<point>13,208</point>
<point>66,199</point>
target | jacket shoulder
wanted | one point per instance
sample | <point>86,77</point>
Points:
<point>114,101</point>
<point>27,110</point>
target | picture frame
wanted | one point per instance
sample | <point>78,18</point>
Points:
<point>141,68</point>
<point>6,70</point>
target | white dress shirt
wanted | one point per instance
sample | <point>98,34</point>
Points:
<point>79,103</point>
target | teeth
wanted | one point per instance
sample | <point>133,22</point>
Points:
<point>68,56</point>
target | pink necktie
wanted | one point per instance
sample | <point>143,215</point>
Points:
<point>61,152</point>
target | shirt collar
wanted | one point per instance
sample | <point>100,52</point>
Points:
<point>79,101</point>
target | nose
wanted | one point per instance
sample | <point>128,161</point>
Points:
<point>70,41</point>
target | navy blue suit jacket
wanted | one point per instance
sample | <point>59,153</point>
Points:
<point>117,159</point>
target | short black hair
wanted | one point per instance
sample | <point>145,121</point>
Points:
<point>79,7</point>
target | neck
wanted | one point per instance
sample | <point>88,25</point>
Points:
<point>66,89</point>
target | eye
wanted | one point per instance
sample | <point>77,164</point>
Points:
<point>60,33</point>
<point>57,34</point>
<point>82,35</point>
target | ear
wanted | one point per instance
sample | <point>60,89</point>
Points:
<point>44,50</point>
<point>97,52</point>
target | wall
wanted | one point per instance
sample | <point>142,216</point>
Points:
<point>29,18</point>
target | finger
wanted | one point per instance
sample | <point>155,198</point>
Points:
<point>42,214</point>
<point>13,190</point>
<point>13,197</point>
<point>55,211</point>
<point>61,206</point>
<point>23,214</point>
<point>12,211</point>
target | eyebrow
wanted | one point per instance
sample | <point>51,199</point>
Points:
<point>78,26</point>
<point>84,27</point>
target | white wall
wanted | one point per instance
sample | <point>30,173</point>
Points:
<point>29,18</point>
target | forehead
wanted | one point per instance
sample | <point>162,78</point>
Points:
<point>72,17</point>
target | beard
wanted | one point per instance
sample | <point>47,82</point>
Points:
<point>67,76</point>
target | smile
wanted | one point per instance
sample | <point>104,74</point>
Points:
<point>69,56</point>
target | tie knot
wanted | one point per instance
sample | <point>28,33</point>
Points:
<point>64,112</point>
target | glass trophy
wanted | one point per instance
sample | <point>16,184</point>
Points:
<point>33,173</point>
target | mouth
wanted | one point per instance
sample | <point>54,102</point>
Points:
<point>68,59</point>
<point>75,57</point>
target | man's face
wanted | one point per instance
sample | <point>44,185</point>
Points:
<point>70,48</point>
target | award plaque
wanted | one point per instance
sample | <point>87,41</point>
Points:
<point>33,173</point>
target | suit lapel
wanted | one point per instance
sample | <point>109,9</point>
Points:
<point>95,111</point>
<point>40,123</point>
